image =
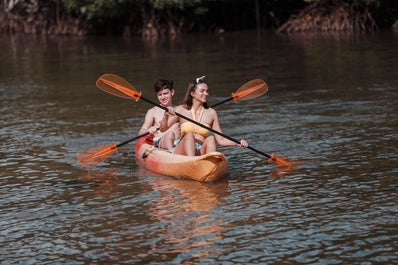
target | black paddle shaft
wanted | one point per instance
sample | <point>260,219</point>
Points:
<point>132,139</point>
<point>204,126</point>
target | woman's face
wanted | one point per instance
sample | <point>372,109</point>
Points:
<point>200,93</point>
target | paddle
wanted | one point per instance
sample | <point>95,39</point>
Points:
<point>118,86</point>
<point>249,90</point>
<point>98,154</point>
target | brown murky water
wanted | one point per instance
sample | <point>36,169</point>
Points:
<point>332,104</point>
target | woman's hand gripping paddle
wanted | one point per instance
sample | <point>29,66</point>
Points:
<point>119,87</point>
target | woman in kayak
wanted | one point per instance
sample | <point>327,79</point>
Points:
<point>195,140</point>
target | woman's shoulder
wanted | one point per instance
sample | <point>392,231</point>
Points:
<point>211,111</point>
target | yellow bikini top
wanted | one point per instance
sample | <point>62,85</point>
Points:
<point>188,126</point>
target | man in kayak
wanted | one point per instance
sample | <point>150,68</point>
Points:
<point>195,140</point>
<point>164,92</point>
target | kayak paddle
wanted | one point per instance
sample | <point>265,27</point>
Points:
<point>249,90</point>
<point>98,154</point>
<point>118,86</point>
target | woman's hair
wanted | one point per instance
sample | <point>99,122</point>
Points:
<point>191,87</point>
<point>163,84</point>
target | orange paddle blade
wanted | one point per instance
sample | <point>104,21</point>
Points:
<point>250,90</point>
<point>117,86</point>
<point>95,155</point>
<point>283,161</point>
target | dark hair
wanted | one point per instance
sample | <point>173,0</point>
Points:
<point>163,84</point>
<point>191,87</point>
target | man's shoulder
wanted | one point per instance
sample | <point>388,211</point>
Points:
<point>180,107</point>
<point>152,110</point>
<point>156,112</point>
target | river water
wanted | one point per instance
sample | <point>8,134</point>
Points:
<point>332,104</point>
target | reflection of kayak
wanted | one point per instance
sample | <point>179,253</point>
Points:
<point>207,168</point>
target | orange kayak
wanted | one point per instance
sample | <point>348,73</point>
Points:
<point>205,168</point>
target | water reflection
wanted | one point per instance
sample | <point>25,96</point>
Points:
<point>283,171</point>
<point>100,182</point>
<point>184,211</point>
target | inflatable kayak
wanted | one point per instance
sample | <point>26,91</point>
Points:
<point>206,168</point>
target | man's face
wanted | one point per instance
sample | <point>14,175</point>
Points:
<point>165,97</point>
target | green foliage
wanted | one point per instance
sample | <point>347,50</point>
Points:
<point>135,16</point>
<point>92,9</point>
<point>364,3</point>
<point>180,4</point>
<point>354,3</point>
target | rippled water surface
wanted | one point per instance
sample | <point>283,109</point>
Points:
<point>332,105</point>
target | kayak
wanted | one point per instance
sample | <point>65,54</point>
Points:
<point>210,167</point>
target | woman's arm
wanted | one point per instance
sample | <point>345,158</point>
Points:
<point>221,140</point>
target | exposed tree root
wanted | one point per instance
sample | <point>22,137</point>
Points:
<point>33,20</point>
<point>329,16</point>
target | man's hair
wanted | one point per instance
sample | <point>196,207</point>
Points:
<point>163,84</point>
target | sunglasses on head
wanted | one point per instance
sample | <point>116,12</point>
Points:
<point>199,79</point>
